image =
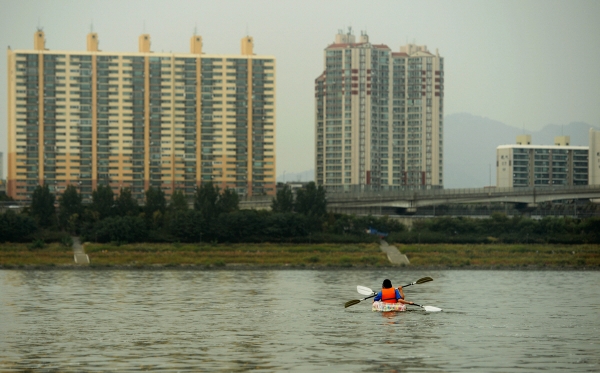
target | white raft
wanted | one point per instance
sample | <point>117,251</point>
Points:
<point>388,307</point>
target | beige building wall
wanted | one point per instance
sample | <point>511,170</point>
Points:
<point>504,168</point>
<point>168,120</point>
<point>594,165</point>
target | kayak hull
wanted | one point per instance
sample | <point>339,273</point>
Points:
<point>388,307</point>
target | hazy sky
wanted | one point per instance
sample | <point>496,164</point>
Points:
<point>524,63</point>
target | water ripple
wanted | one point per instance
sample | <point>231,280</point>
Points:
<point>496,321</point>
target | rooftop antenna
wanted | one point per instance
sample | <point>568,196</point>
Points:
<point>195,29</point>
<point>92,26</point>
<point>39,28</point>
<point>247,32</point>
<point>144,28</point>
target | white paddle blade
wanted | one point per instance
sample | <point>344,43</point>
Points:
<point>364,290</point>
<point>432,309</point>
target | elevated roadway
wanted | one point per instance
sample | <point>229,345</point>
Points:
<point>410,200</point>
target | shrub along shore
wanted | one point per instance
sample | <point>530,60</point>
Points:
<point>303,256</point>
<point>297,232</point>
<point>303,218</point>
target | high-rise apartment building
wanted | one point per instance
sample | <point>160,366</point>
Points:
<point>527,165</point>
<point>167,120</point>
<point>378,116</point>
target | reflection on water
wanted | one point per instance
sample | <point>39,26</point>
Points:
<point>294,320</point>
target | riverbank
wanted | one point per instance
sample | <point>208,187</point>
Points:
<point>198,255</point>
<point>302,256</point>
<point>487,256</point>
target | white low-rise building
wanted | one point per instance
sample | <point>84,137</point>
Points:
<point>526,165</point>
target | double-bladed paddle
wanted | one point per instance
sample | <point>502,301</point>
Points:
<point>366,291</point>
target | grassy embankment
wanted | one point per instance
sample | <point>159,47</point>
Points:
<point>503,256</point>
<point>16,255</point>
<point>305,256</point>
<point>205,255</point>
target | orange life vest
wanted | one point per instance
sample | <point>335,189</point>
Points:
<point>389,295</point>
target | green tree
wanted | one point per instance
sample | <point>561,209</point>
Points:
<point>188,226</point>
<point>283,201</point>
<point>286,226</point>
<point>16,227</point>
<point>205,201</point>
<point>4,197</point>
<point>42,206</point>
<point>178,202</point>
<point>311,200</point>
<point>125,204</point>
<point>121,229</point>
<point>591,228</point>
<point>228,201</point>
<point>103,200</point>
<point>69,205</point>
<point>155,208</point>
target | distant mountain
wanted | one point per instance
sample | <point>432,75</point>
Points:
<point>470,143</point>
<point>579,132</point>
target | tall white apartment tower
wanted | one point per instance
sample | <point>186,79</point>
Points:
<point>378,116</point>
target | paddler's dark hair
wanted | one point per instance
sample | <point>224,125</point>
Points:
<point>387,284</point>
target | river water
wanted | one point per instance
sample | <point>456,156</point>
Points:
<point>112,320</point>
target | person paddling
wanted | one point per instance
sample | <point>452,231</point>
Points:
<point>390,295</point>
